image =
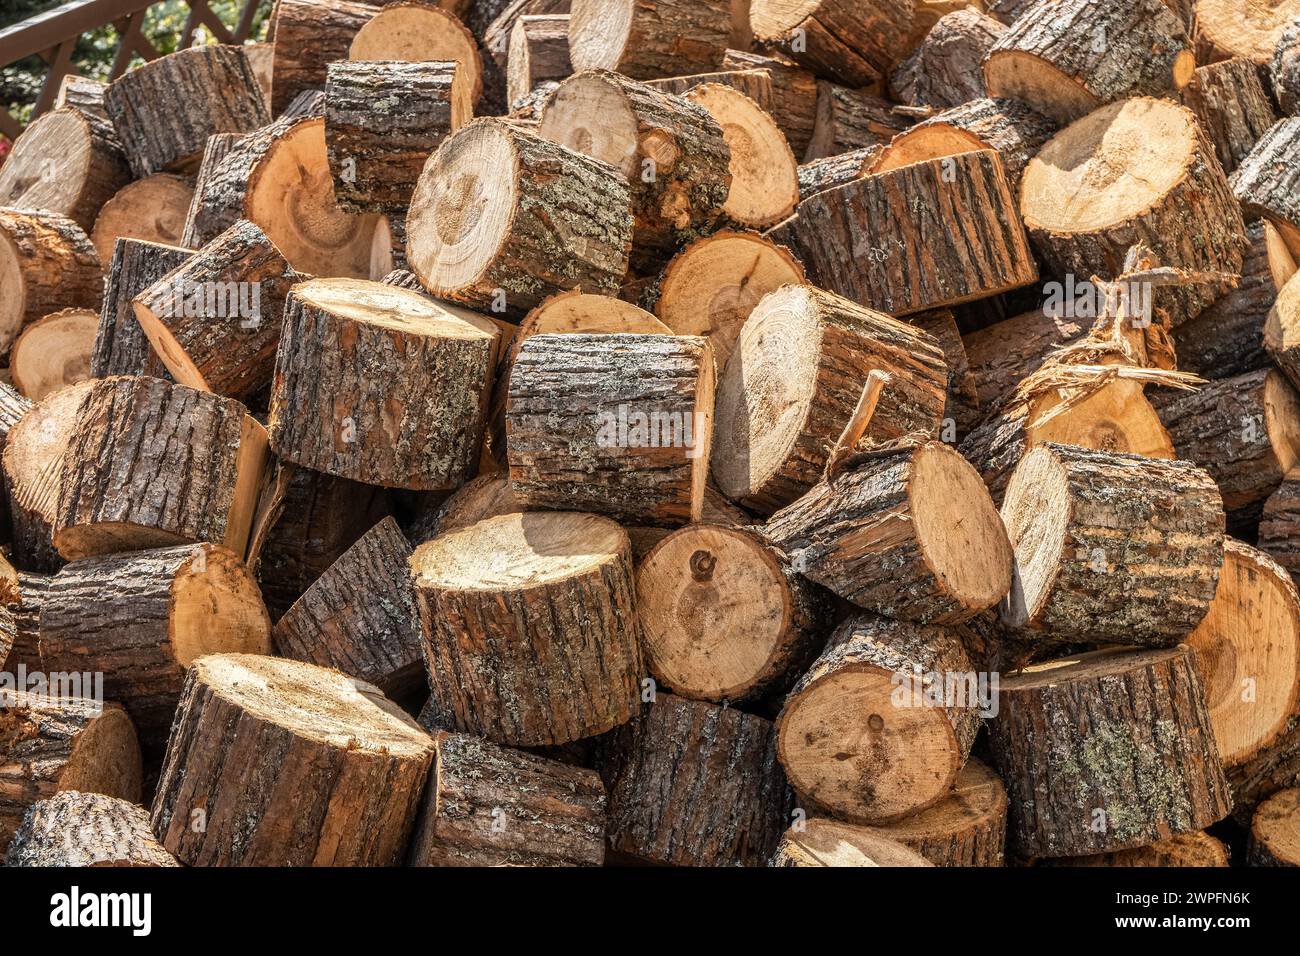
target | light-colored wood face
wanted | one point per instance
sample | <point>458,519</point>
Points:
<point>924,143</point>
<point>417,32</point>
<point>314,702</point>
<point>1109,166</point>
<point>583,313</point>
<point>35,446</point>
<point>1282,419</point>
<point>1249,28</point>
<point>598,33</point>
<point>590,115</point>
<point>978,796</point>
<point>105,758</point>
<point>48,164</point>
<point>54,352</point>
<point>1282,328</point>
<point>13,295</point>
<point>1248,652</point>
<point>1036,514</point>
<point>152,209</point>
<point>1281,263</point>
<point>1117,417</point>
<point>392,307</point>
<point>517,551</point>
<point>773,18</point>
<point>1277,825</point>
<point>825,842</point>
<point>217,608</point>
<point>1088,666</point>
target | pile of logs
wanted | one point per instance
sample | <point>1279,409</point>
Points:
<point>545,433</point>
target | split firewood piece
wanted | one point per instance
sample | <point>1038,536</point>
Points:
<point>970,244</point>
<point>382,122</point>
<point>195,232</point>
<point>723,616</point>
<point>1247,28</point>
<point>47,263</point>
<point>79,829</point>
<point>388,249</point>
<point>711,286</point>
<point>885,536</point>
<point>83,94</point>
<point>1008,127</point>
<point>1230,336</point>
<point>824,842</point>
<point>613,424</point>
<point>756,84</point>
<point>645,42</point>
<point>1185,849</point>
<point>1107,751</point>
<point>66,162</point>
<point>854,42</point>
<point>695,784</point>
<point>673,155</point>
<point>888,702</point>
<point>794,93</point>
<point>421,33</point>
<point>1276,768</point>
<point>1067,58</point>
<point>54,352</point>
<point>492,593</point>
<point>538,52</point>
<point>795,381</point>
<point>489,806</point>
<point>501,219</point>
<point>121,347</point>
<point>1140,170</point>
<point>1268,181</point>
<point>961,410</point>
<point>1248,653</point>
<point>308,35</point>
<point>153,209</point>
<point>360,617</point>
<point>1111,548</point>
<point>287,764</point>
<point>165,110</point>
<point>1275,831</point>
<point>143,617</point>
<point>49,744</point>
<point>968,827</point>
<point>944,70</point>
<point>1233,108</point>
<point>1245,431</point>
<point>818,175</point>
<point>1284,70</point>
<point>215,319</point>
<point>380,384</point>
<point>1281,331</point>
<point>851,119</point>
<point>150,464</point>
<point>1003,355</point>
<point>764,174</point>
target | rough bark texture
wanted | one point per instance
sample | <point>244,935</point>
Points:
<point>695,784</point>
<point>23,623</point>
<point>931,234</point>
<point>663,38</point>
<point>1003,355</point>
<point>165,110</point>
<point>1107,756</point>
<point>13,407</point>
<point>794,94</point>
<point>1274,769</point>
<point>818,175</point>
<point>1233,108</point>
<point>1267,181</point>
<point>1279,529</point>
<point>219,146</point>
<point>944,71</point>
<point>57,265</point>
<point>849,41</point>
<point>1285,70</point>
<point>79,829</point>
<point>961,410</point>
<point>121,347</point>
<point>756,84</point>
<point>309,35</point>
<point>83,94</point>
<point>850,119</point>
<point>538,52</point>
<point>489,806</point>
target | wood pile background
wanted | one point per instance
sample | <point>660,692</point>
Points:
<point>686,432</point>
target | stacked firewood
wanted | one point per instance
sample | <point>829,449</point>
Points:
<point>858,433</point>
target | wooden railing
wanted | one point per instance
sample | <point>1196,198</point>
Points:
<point>53,37</point>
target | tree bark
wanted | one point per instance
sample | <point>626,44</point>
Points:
<point>121,347</point>
<point>47,263</point>
<point>755,84</point>
<point>86,829</point>
<point>196,232</point>
<point>824,842</point>
<point>1232,106</point>
<point>794,93</point>
<point>1285,70</point>
<point>538,52</point>
<point>850,119</point>
<point>1003,355</point>
<point>1267,181</point>
<point>853,42</point>
<point>819,175</point>
<point>647,40</point>
<point>945,70</point>
<point>307,36</point>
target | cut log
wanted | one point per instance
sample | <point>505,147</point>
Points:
<point>53,352</point>
<point>794,93</point>
<point>928,12</point>
<point>165,110</point>
<point>121,347</point>
<point>823,842</point>
<point>1281,331</point>
<point>1275,831</point>
<point>1276,768</point>
<point>818,175</point>
<point>1186,849</point>
<point>491,594</point>
<point>711,286</point>
<point>142,618</point>
<point>1245,28</point>
<point>286,764</point>
<point>961,408</point>
<point>149,464</point>
<point>1111,548</point>
<point>1284,70</point>
<point>1008,127</point>
<point>1279,527</point>
<point>83,94</point>
<point>613,424</point>
<point>1140,170</point>
<point>79,829</point>
<point>308,35</point>
<point>673,155</point>
<point>65,162</point>
<point>538,52</point>
<point>52,744</point>
<point>1233,108</point>
<point>1248,653</point>
<point>22,621</point>
<point>944,70</point>
<point>380,384</point>
<point>1245,431</point>
<point>483,497</point>
<point>723,617</point>
<point>853,42</point>
<point>886,537</point>
<point>13,407</point>
<point>220,145</point>
<point>1267,182</point>
<point>214,321</point>
<point>863,240</point>
<point>1003,355</point>
<point>1065,58</point>
<point>879,727</point>
<point>756,84</point>
<point>46,263</point>
<point>1107,751</point>
<point>501,219</point>
<point>421,33</point>
<point>968,827</point>
<point>494,43</point>
<point>152,209</point>
<point>489,806</point>
<point>648,40</point>
<point>851,119</point>
<point>360,617</point>
<point>695,784</point>
<point>794,382</point>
